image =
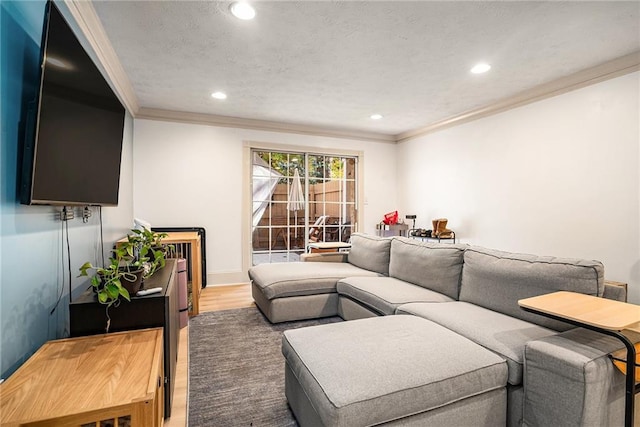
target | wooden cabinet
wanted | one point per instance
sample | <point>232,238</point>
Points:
<point>195,286</point>
<point>87,317</point>
<point>113,379</point>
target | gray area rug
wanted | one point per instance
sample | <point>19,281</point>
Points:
<point>236,369</point>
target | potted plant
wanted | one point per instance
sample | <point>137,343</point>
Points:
<point>150,247</point>
<point>107,283</point>
<point>139,257</point>
<point>132,262</point>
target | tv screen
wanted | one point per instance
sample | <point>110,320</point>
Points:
<point>73,144</point>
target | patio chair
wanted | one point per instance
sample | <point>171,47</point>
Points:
<point>297,240</point>
<point>315,231</point>
<point>338,232</point>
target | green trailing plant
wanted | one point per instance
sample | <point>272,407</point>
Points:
<point>143,249</point>
<point>107,281</point>
<point>149,245</point>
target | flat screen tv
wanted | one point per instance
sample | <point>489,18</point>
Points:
<point>73,137</point>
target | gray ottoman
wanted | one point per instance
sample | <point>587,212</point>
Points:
<point>395,370</point>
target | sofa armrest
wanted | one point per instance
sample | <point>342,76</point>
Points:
<point>325,257</point>
<point>615,291</point>
<point>570,380</point>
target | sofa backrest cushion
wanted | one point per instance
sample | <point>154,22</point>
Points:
<point>370,252</point>
<point>497,280</point>
<point>435,266</point>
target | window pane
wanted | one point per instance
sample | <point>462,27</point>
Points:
<point>350,169</point>
<point>282,228</point>
<point>335,167</point>
<point>317,192</point>
<point>296,161</point>
<point>316,167</point>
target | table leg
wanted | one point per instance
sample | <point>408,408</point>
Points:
<point>630,391</point>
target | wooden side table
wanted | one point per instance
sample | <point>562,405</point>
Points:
<point>320,247</point>
<point>192,238</point>
<point>597,314</point>
<point>114,379</point>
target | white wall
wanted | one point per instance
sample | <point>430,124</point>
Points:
<point>191,175</point>
<point>557,177</point>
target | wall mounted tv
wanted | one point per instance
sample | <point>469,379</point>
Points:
<point>73,136</point>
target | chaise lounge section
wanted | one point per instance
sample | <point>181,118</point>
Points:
<point>470,291</point>
<point>296,291</point>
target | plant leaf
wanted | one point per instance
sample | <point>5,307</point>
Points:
<point>102,297</point>
<point>112,290</point>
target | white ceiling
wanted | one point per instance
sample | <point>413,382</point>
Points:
<point>334,63</point>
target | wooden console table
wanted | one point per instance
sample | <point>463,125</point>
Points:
<point>113,379</point>
<point>191,238</point>
<point>598,314</point>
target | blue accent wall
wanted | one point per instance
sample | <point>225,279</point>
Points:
<point>34,272</point>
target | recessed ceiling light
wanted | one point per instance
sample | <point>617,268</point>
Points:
<point>376,116</point>
<point>480,68</point>
<point>219,95</point>
<point>242,10</point>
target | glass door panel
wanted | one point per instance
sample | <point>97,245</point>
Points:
<point>300,198</point>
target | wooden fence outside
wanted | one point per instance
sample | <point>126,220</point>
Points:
<point>325,198</point>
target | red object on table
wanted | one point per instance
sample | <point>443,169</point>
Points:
<point>391,218</point>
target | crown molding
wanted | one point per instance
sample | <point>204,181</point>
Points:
<point>605,71</point>
<point>263,125</point>
<point>91,26</point>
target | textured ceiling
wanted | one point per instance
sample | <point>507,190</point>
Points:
<point>335,63</point>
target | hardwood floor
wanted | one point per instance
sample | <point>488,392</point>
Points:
<point>212,298</point>
<point>226,297</point>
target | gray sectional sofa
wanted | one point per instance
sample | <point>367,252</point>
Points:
<point>519,368</point>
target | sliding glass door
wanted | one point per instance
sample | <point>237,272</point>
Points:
<point>300,198</point>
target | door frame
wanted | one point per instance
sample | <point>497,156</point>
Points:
<point>247,195</point>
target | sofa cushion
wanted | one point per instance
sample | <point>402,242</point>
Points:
<point>435,266</point>
<point>370,252</point>
<point>502,334</point>
<point>497,280</point>
<point>286,279</point>
<point>371,371</point>
<point>384,294</point>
